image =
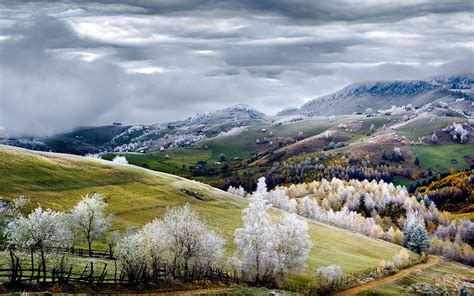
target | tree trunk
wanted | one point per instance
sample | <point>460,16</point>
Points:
<point>90,248</point>
<point>32,265</point>
<point>174,265</point>
<point>43,259</point>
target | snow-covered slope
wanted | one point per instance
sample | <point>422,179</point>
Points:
<point>356,98</point>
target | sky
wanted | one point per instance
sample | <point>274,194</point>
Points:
<point>74,63</point>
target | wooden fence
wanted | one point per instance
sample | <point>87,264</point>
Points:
<point>100,254</point>
<point>98,273</point>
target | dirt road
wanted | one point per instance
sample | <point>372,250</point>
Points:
<point>432,261</point>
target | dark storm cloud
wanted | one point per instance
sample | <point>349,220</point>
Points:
<point>309,9</point>
<point>70,63</point>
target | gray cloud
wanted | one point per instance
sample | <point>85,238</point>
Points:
<point>70,63</point>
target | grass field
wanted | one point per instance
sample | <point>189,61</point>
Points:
<point>243,144</point>
<point>442,279</point>
<point>442,158</point>
<point>424,126</point>
<point>137,196</point>
<point>157,161</point>
<point>399,180</point>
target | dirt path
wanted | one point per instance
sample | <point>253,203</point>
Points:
<point>190,292</point>
<point>432,261</point>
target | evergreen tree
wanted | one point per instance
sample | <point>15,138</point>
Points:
<point>384,155</point>
<point>417,160</point>
<point>417,238</point>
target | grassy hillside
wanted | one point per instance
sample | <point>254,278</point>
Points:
<point>138,195</point>
<point>426,125</point>
<point>442,158</point>
<point>84,140</point>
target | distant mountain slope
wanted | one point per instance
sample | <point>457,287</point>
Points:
<point>137,196</point>
<point>141,138</point>
<point>356,98</point>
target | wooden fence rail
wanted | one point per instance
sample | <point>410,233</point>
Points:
<point>97,273</point>
<point>100,254</point>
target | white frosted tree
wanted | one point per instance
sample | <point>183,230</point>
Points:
<point>131,253</point>
<point>254,240</point>
<point>331,273</point>
<point>372,128</point>
<point>122,160</point>
<point>279,199</point>
<point>268,252</point>
<point>40,230</point>
<point>240,191</point>
<point>309,208</point>
<point>292,246</point>
<point>180,239</point>
<point>190,240</point>
<point>156,240</point>
<point>89,219</point>
<point>19,204</point>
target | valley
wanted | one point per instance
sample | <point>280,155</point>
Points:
<point>356,179</point>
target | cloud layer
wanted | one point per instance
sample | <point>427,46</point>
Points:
<point>71,63</point>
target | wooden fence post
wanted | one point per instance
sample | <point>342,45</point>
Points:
<point>91,275</point>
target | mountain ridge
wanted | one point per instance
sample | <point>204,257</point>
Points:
<point>382,94</point>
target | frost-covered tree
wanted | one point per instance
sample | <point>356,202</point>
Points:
<point>328,135</point>
<point>89,219</point>
<point>401,259</point>
<point>292,246</point>
<point>397,154</point>
<point>40,230</point>
<point>457,131</point>
<point>416,236</point>
<point>93,156</point>
<point>20,203</point>
<point>237,191</point>
<point>268,252</point>
<point>130,251</point>
<point>120,160</point>
<point>278,198</point>
<point>13,208</point>
<point>180,239</point>
<point>254,240</point>
<point>156,243</point>
<point>331,273</point>
<point>190,240</point>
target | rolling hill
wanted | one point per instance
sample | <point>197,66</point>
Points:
<point>137,196</point>
<point>448,97</point>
